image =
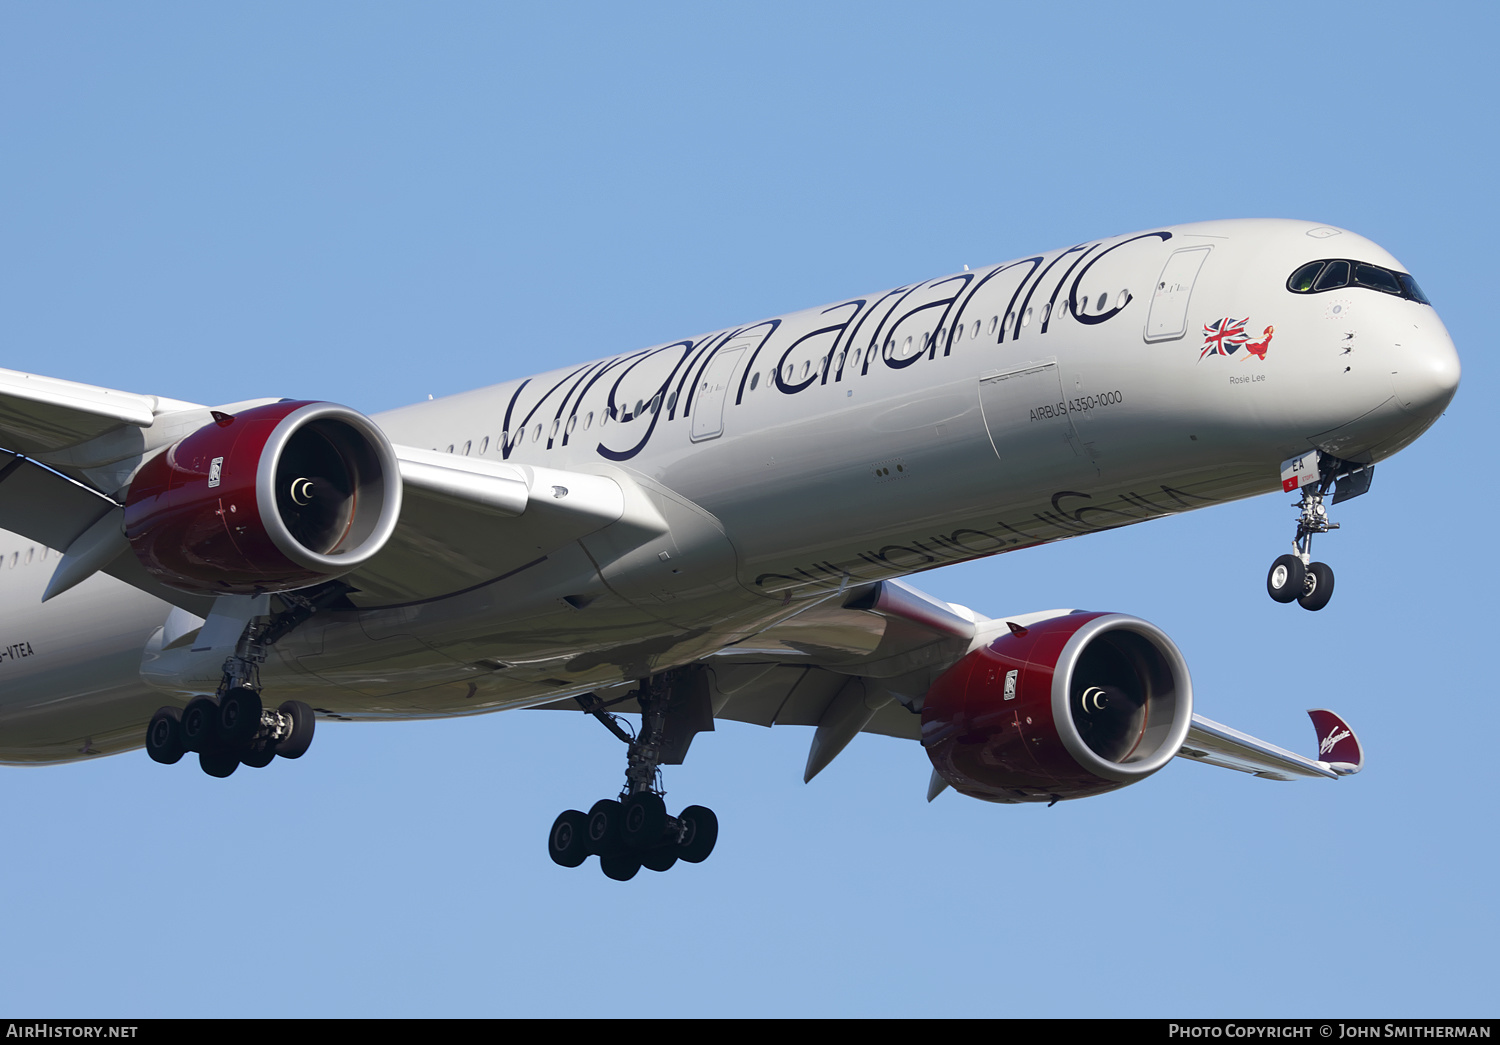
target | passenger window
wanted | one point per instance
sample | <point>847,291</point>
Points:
<point>1334,276</point>
<point>754,380</point>
<point>484,444</point>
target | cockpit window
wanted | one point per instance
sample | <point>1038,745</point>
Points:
<point>1318,276</point>
<point>1302,280</point>
<point>1335,274</point>
<point>1380,279</point>
<point>1413,291</point>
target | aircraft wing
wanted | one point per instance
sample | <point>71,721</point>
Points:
<point>1218,745</point>
<point>467,521</point>
<point>71,449</point>
<point>861,662</point>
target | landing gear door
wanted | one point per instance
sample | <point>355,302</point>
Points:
<point>709,396</point>
<point>1167,319</point>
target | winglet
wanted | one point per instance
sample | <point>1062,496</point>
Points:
<point>1338,747</point>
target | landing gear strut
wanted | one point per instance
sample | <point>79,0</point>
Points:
<point>635,830</point>
<point>1296,577</point>
<point>233,727</point>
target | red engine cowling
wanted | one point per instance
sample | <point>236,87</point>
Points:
<point>1066,708</point>
<point>270,499</point>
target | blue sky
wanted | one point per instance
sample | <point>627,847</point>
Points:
<point>371,203</point>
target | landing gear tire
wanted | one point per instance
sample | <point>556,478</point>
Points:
<point>622,867</point>
<point>296,743</point>
<point>604,830</point>
<point>258,755</point>
<point>660,857</point>
<point>1317,587</point>
<point>218,763</point>
<point>643,819</point>
<point>200,724</point>
<point>568,842</point>
<point>239,716</point>
<point>164,736</point>
<point>1285,581</point>
<point>702,831</point>
<point>635,831</point>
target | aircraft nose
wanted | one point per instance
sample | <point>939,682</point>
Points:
<point>1427,375</point>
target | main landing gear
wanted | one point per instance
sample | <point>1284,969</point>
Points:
<point>230,730</point>
<point>635,831</point>
<point>1295,577</point>
<point>233,728</point>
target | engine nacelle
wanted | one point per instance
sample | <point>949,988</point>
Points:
<point>1065,708</point>
<point>269,499</point>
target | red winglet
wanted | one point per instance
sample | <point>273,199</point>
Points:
<point>1337,744</point>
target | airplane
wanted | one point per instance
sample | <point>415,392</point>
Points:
<point>716,528</point>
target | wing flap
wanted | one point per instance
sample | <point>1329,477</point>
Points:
<point>44,506</point>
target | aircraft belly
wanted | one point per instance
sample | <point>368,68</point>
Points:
<point>70,683</point>
<point>553,630</point>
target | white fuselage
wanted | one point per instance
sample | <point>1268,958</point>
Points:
<point>981,412</point>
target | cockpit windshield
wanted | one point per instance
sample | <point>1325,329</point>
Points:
<point>1333,273</point>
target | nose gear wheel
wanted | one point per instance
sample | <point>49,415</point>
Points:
<point>1296,577</point>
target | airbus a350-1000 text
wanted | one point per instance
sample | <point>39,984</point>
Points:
<point>715,528</point>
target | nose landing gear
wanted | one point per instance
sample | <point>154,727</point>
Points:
<point>1296,577</point>
<point>636,831</point>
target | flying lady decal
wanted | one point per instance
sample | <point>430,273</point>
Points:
<point>1225,337</point>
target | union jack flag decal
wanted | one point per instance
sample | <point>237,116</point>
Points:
<point>1224,337</point>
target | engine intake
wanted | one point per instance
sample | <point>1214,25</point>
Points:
<point>270,499</point>
<point>1066,708</point>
